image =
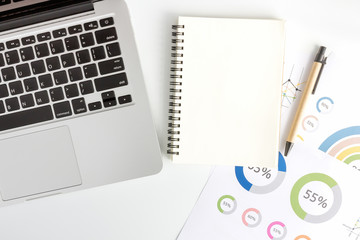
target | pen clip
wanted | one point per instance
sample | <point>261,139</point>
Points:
<point>323,62</point>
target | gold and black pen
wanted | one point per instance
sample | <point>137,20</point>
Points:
<point>312,82</point>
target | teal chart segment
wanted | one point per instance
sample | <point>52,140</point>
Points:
<point>247,185</point>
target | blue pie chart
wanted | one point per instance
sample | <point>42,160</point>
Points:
<point>247,185</point>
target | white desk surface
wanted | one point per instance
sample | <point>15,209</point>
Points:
<point>156,207</point>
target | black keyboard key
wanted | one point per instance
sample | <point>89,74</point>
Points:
<point>42,50</point>
<point>57,47</point>
<point>2,107</point>
<point>27,101</point>
<point>23,70</point>
<point>106,35</point>
<point>38,67</point>
<point>91,25</point>
<point>87,39</point>
<point>75,74</point>
<point>79,105</point>
<point>4,2</point>
<point>2,46</point>
<point>8,74</point>
<point>86,87</point>
<point>98,53</point>
<point>113,49</point>
<point>112,81</point>
<point>71,90</point>
<point>24,118</point>
<point>28,40</point>
<point>53,63</point>
<point>43,36</point>
<point>75,29</point>
<point>59,33</point>
<point>109,99</point>
<point>12,57</point>
<point>56,94</point>
<point>27,54</point>
<point>31,84</point>
<point>110,66</point>
<point>110,95</point>
<point>12,104</point>
<point>72,43</point>
<point>68,60</point>
<point>3,91</point>
<point>83,56</point>
<point>107,22</point>
<point>45,81</point>
<point>42,97</point>
<point>62,109</point>
<point>16,88</point>
<point>125,99</point>
<point>94,106</point>
<point>60,77</point>
<point>90,71</point>
<point>2,61</point>
<point>13,44</point>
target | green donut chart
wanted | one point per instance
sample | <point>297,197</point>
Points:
<point>312,177</point>
<point>226,204</point>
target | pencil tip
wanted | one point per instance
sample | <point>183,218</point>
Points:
<point>288,147</point>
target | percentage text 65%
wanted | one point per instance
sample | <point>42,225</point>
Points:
<point>265,172</point>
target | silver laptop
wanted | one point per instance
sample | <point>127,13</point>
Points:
<point>74,111</point>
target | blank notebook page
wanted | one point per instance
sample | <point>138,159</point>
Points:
<point>231,91</point>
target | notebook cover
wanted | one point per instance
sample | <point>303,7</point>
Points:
<point>229,72</point>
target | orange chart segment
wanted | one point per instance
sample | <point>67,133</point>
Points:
<point>302,237</point>
<point>343,144</point>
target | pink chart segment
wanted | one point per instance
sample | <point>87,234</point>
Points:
<point>277,228</point>
<point>251,217</point>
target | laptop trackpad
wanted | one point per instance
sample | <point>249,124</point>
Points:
<point>37,163</point>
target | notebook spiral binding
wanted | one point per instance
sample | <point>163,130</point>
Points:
<point>175,89</point>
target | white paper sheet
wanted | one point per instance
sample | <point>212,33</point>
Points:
<point>313,194</point>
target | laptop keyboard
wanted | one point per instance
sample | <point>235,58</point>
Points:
<point>61,74</point>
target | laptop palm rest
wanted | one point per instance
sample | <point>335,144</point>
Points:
<point>42,162</point>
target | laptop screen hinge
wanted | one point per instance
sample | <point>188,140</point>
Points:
<point>43,12</point>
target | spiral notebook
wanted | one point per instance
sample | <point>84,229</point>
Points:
<point>225,91</point>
